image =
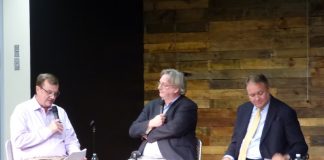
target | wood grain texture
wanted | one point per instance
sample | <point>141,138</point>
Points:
<point>218,43</point>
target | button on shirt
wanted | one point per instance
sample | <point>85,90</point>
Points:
<point>31,137</point>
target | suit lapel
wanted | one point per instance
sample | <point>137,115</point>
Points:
<point>247,117</point>
<point>270,117</point>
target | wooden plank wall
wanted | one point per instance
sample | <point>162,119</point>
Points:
<point>219,42</point>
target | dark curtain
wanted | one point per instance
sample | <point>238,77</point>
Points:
<point>96,51</point>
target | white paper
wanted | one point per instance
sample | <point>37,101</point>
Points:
<point>77,155</point>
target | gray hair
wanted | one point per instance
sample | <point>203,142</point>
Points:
<point>176,78</point>
<point>41,78</point>
<point>257,78</point>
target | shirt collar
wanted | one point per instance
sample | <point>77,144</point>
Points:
<point>36,106</point>
<point>172,101</point>
<point>265,108</point>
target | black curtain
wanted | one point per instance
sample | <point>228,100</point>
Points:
<point>96,51</point>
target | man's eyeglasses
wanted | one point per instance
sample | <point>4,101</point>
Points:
<point>163,85</point>
<point>55,94</point>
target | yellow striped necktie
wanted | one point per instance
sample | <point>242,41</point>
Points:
<point>249,135</point>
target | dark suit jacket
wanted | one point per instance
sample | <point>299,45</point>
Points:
<point>176,138</point>
<point>281,132</point>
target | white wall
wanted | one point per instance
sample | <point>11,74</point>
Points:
<point>14,84</point>
<point>1,80</point>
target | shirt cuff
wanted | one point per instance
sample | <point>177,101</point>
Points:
<point>229,156</point>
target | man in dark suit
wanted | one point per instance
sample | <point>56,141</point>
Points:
<point>277,136</point>
<point>167,124</point>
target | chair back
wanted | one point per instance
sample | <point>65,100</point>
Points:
<point>8,148</point>
<point>199,146</point>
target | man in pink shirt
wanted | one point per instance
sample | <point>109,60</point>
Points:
<point>39,128</point>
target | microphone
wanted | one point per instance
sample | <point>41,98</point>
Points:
<point>135,155</point>
<point>55,112</point>
<point>92,125</point>
<point>162,106</point>
<point>94,154</point>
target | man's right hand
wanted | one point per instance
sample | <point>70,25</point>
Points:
<point>157,121</point>
<point>56,126</point>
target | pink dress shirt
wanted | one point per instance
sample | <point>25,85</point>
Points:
<point>31,137</point>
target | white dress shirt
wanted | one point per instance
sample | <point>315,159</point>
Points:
<point>253,151</point>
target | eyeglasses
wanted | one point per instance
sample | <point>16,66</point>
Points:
<point>55,94</point>
<point>259,93</point>
<point>163,85</point>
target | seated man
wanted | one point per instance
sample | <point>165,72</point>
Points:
<point>167,125</point>
<point>40,128</point>
<point>266,128</point>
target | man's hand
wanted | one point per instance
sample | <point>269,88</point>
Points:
<point>157,121</point>
<point>56,126</point>
<point>226,158</point>
<point>279,156</point>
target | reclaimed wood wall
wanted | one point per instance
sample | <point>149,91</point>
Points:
<point>219,42</point>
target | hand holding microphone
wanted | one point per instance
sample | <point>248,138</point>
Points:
<point>157,121</point>
<point>56,125</point>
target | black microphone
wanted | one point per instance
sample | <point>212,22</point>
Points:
<point>94,154</point>
<point>55,112</point>
<point>92,125</point>
<point>162,106</point>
